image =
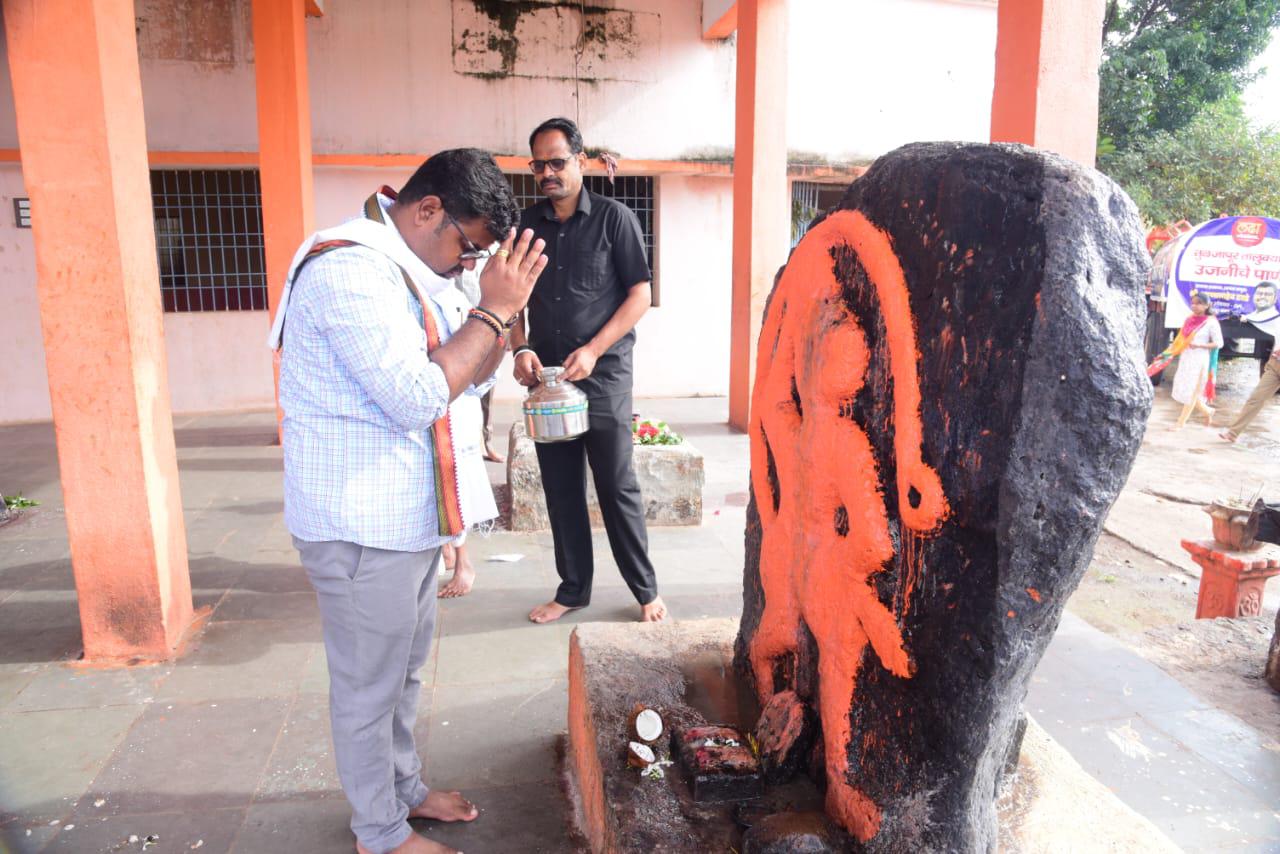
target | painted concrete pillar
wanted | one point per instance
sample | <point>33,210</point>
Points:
<point>761,207</point>
<point>78,101</point>
<point>284,134</point>
<point>1046,86</point>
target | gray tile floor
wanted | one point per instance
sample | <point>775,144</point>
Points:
<point>228,749</point>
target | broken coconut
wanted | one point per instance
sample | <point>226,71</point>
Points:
<point>646,725</point>
<point>640,755</point>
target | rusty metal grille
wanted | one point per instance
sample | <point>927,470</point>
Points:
<point>209,243</point>
<point>634,191</point>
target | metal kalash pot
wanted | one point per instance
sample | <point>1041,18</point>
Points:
<point>555,410</point>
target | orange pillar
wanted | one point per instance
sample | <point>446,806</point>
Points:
<point>761,207</point>
<point>284,134</point>
<point>78,101</point>
<point>1046,86</point>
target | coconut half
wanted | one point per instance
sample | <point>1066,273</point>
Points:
<point>640,755</point>
<point>646,725</point>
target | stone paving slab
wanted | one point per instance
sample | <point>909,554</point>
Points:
<point>495,734</point>
<point>51,757</point>
<point>1199,774</point>
<point>251,659</point>
<point>188,757</point>
<point>301,763</point>
<point>73,687</point>
<point>177,832</point>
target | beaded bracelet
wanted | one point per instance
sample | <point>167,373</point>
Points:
<point>488,320</point>
<point>496,319</point>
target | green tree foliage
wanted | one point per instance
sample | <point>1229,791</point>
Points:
<point>1163,60</point>
<point>1217,164</point>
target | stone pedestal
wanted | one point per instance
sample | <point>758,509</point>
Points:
<point>684,671</point>
<point>671,479</point>
<point>1231,583</point>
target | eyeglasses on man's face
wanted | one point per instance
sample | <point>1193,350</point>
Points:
<point>555,164</point>
<point>470,252</point>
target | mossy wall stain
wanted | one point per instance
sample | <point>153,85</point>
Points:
<point>606,34</point>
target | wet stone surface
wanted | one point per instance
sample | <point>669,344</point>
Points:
<point>795,833</point>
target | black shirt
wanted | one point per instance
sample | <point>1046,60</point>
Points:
<point>593,261</point>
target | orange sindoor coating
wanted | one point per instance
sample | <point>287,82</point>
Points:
<point>809,570</point>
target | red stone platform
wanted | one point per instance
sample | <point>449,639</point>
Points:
<point>1231,582</point>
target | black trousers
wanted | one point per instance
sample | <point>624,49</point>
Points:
<point>607,447</point>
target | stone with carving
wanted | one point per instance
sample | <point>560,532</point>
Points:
<point>949,396</point>
<point>784,735</point>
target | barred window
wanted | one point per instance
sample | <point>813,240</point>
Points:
<point>808,199</point>
<point>634,191</point>
<point>209,243</point>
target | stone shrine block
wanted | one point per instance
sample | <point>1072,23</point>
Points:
<point>671,480</point>
<point>718,763</point>
<point>950,393</point>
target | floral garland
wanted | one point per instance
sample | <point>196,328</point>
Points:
<point>645,431</point>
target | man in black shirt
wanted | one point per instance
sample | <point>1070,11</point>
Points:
<point>582,315</point>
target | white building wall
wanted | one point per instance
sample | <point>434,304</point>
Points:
<point>384,80</point>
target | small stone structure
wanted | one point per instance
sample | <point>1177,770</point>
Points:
<point>671,480</point>
<point>685,671</point>
<point>1231,582</point>
<point>949,396</point>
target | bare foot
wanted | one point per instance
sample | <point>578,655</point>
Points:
<point>493,456</point>
<point>654,612</point>
<point>415,844</point>
<point>445,806</point>
<point>550,612</point>
<point>460,585</point>
<point>1228,436</point>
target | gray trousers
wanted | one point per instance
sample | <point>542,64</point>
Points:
<point>378,612</point>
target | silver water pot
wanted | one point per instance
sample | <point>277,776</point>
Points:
<point>555,409</point>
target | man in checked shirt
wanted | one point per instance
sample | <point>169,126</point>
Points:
<point>369,364</point>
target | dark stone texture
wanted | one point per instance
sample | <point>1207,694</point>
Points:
<point>1023,276</point>
<point>1015,746</point>
<point>1273,658</point>
<point>784,734</point>
<point>718,763</point>
<point>795,833</point>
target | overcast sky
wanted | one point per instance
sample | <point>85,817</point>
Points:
<point>1262,99</point>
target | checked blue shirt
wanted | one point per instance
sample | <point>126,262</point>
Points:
<point>359,395</point>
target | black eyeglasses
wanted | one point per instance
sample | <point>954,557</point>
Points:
<point>557,164</point>
<point>472,252</point>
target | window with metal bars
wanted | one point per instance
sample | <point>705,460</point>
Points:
<point>634,191</point>
<point>808,199</point>
<point>209,239</point>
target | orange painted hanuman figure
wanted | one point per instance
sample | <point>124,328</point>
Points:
<point>813,360</point>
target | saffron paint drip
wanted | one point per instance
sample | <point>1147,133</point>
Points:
<point>814,359</point>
